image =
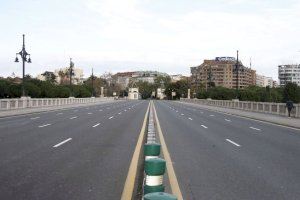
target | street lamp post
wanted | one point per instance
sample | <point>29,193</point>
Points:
<point>23,53</point>
<point>237,66</point>
<point>71,73</point>
<point>92,82</point>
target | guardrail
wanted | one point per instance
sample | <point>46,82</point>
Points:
<point>27,102</point>
<point>263,107</point>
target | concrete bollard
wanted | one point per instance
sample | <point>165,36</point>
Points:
<point>159,196</point>
<point>151,150</point>
<point>154,169</point>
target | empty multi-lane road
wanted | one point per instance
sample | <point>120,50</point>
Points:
<point>85,153</point>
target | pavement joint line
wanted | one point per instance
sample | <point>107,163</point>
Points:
<point>204,126</point>
<point>232,142</point>
<point>34,117</point>
<point>44,125</point>
<point>61,143</point>
<point>131,176</point>
<point>73,117</point>
<point>96,125</point>
<point>170,169</point>
<point>257,129</point>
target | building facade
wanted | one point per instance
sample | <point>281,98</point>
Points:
<point>222,72</point>
<point>264,81</point>
<point>288,73</point>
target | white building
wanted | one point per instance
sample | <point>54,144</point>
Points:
<point>160,93</point>
<point>175,78</point>
<point>289,73</point>
<point>133,93</point>
<point>264,81</point>
<point>62,75</point>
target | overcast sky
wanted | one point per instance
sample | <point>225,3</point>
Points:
<point>165,35</point>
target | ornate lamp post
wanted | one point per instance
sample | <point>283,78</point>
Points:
<point>24,55</point>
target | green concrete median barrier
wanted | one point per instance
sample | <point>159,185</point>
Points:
<point>154,169</point>
<point>151,150</point>
<point>159,196</point>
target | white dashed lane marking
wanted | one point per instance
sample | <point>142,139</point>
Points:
<point>96,125</point>
<point>44,125</point>
<point>61,143</point>
<point>73,117</point>
<point>257,129</point>
<point>111,117</point>
<point>35,118</point>
<point>232,142</point>
<point>204,126</point>
<point>190,118</point>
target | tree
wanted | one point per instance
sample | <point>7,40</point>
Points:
<point>49,76</point>
<point>291,92</point>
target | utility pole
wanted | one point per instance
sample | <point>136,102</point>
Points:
<point>23,55</point>
<point>71,74</point>
<point>92,82</point>
<point>237,66</point>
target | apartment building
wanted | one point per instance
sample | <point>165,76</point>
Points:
<point>289,73</point>
<point>222,71</point>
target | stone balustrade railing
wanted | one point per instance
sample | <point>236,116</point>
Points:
<point>27,102</point>
<point>263,107</point>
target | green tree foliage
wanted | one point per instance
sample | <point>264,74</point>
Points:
<point>145,89</point>
<point>291,92</point>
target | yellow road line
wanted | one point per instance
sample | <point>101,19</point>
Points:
<point>170,170</point>
<point>129,183</point>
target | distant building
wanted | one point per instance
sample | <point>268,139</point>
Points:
<point>264,81</point>
<point>124,78</point>
<point>133,93</point>
<point>221,72</point>
<point>289,73</point>
<point>177,77</point>
<point>160,93</point>
<point>63,76</point>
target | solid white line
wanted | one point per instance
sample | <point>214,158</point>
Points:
<point>41,126</point>
<point>204,126</point>
<point>73,117</point>
<point>111,117</point>
<point>34,117</point>
<point>228,120</point>
<point>255,128</point>
<point>59,113</point>
<point>61,143</point>
<point>232,142</point>
<point>190,118</point>
<point>96,125</point>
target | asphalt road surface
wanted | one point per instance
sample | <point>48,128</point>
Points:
<point>84,153</point>
<point>218,156</point>
<point>78,153</point>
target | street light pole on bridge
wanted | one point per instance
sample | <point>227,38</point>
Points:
<point>23,53</point>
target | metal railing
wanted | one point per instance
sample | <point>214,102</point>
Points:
<point>27,102</point>
<point>262,107</point>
